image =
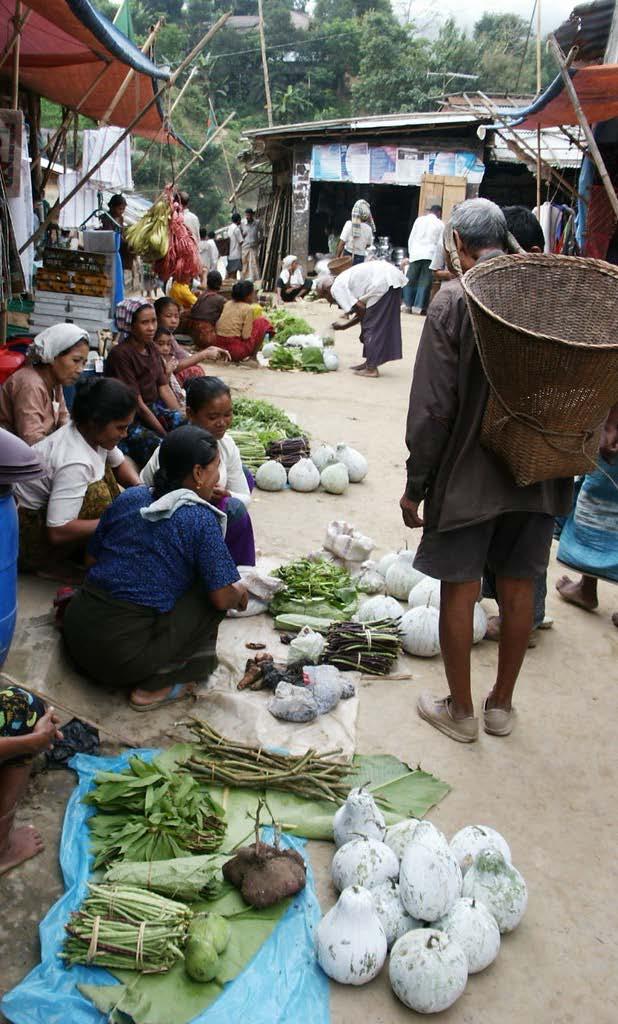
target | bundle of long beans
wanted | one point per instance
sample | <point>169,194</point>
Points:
<point>126,928</point>
<point>252,451</point>
<point>289,452</point>
<point>224,762</point>
<point>370,647</point>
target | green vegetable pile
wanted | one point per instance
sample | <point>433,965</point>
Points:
<point>264,420</point>
<point>251,448</point>
<point>152,812</point>
<point>317,588</point>
<point>184,878</point>
<point>285,359</point>
<point>312,359</point>
<point>287,324</point>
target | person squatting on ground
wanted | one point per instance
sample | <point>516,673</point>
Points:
<point>474,514</point>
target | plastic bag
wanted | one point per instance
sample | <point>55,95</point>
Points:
<point>306,647</point>
<point>254,607</point>
<point>293,703</point>
<point>259,583</point>
<point>347,543</point>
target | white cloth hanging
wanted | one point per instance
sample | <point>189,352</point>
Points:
<point>22,214</point>
<point>115,173</point>
<point>83,203</point>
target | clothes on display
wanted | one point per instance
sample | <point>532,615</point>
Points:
<point>115,172</point>
<point>558,223</point>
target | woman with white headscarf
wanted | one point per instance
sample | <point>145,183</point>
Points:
<point>32,401</point>
<point>357,233</point>
<point>291,283</point>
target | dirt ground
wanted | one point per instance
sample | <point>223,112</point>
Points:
<point>550,787</point>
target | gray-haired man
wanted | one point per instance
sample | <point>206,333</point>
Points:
<point>474,513</point>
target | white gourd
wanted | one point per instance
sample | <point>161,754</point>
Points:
<point>470,924</point>
<point>499,886</point>
<point>420,632</point>
<point>398,836</point>
<point>271,476</point>
<point>401,576</point>
<point>428,970</point>
<point>355,463</point>
<point>427,834</point>
<point>365,862</point>
<point>331,359</point>
<point>391,911</point>
<point>304,476</point>
<point>472,840</point>
<point>323,456</point>
<point>429,880</point>
<point>385,563</point>
<point>350,941</point>
<point>378,607</point>
<point>358,816</point>
<point>269,348</point>
<point>479,627</point>
<point>425,593</point>
<point>335,479</point>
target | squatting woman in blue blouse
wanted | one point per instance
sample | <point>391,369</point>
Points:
<point>161,580</point>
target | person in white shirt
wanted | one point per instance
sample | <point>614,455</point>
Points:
<point>191,219</point>
<point>209,406</point>
<point>357,233</point>
<point>291,283</point>
<point>372,292</point>
<point>234,259</point>
<point>424,242</point>
<point>59,511</point>
<point>209,253</point>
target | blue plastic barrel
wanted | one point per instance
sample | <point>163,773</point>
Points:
<point>9,544</point>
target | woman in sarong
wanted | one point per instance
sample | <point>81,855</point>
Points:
<point>589,537</point>
<point>239,331</point>
<point>372,293</point>
<point>209,405</point>
<point>148,615</point>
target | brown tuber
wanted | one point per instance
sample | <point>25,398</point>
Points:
<point>265,874</point>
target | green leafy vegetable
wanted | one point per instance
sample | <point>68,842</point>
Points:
<point>313,359</point>
<point>184,878</point>
<point>284,359</point>
<point>317,588</point>
<point>287,324</point>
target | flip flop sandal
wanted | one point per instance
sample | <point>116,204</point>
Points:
<point>177,693</point>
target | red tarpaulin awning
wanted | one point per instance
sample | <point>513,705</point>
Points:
<point>597,88</point>
<point>65,44</point>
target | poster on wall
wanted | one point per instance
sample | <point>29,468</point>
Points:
<point>460,164</point>
<point>326,163</point>
<point>411,165</point>
<point>383,165</point>
<point>355,162</point>
<point>301,186</point>
<point>11,132</point>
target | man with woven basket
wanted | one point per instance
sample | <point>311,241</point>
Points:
<point>474,513</point>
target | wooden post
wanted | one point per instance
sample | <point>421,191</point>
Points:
<point>269,102</point>
<point>131,74</point>
<point>151,102</point>
<point>538,48</point>
<point>208,142</point>
<point>538,170</point>
<point>584,125</point>
<point>16,49</point>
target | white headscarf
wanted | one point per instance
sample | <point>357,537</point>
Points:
<point>55,340</point>
<point>288,261</point>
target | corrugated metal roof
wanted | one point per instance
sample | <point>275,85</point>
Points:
<point>556,149</point>
<point>587,27</point>
<point>431,119</point>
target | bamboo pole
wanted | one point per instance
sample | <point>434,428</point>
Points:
<point>17,30</point>
<point>208,142</point>
<point>269,102</point>
<point>58,205</point>
<point>16,52</point>
<point>131,74</point>
<point>538,47</point>
<point>584,125</point>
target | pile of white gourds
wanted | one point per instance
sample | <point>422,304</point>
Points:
<point>393,579</point>
<point>439,908</point>
<point>333,468</point>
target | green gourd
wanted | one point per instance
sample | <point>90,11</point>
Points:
<point>201,959</point>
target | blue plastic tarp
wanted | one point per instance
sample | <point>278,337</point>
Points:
<point>49,994</point>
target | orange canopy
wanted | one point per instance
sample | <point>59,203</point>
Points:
<point>65,45</point>
<point>596,87</point>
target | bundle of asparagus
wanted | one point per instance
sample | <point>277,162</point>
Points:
<point>370,647</point>
<point>126,928</point>
<point>224,762</point>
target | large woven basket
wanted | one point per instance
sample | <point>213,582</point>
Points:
<point>547,333</point>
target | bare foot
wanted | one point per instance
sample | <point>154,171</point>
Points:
<point>155,698</point>
<point>368,371</point>
<point>577,593</point>
<point>360,366</point>
<point>24,843</point>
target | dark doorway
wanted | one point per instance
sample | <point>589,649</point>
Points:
<point>394,208</point>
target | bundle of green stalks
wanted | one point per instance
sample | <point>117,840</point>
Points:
<point>370,647</point>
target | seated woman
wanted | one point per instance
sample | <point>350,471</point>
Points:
<point>162,579</point>
<point>187,366</point>
<point>239,332</point>
<point>206,312</point>
<point>136,362</point>
<point>26,729</point>
<point>291,283</point>
<point>32,401</point>
<point>59,511</point>
<point>209,405</point>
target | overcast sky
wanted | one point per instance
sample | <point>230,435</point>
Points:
<point>553,12</point>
